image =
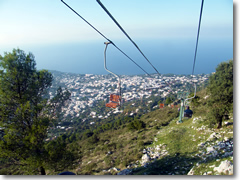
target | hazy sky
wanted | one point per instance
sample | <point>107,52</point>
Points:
<point>163,29</point>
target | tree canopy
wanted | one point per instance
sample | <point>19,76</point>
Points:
<point>25,111</point>
<point>221,91</point>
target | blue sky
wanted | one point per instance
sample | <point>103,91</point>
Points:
<point>164,30</point>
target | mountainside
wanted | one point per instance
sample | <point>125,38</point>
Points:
<point>142,140</point>
<point>189,148</point>
<point>161,147</point>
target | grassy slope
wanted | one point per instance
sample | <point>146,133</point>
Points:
<point>119,148</point>
<point>182,143</point>
<point>122,147</point>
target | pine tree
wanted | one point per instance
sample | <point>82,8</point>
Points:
<point>221,91</point>
<point>25,112</point>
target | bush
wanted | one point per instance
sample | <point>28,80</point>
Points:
<point>93,139</point>
<point>125,162</point>
<point>140,144</point>
<point>88,133</point>
<point>89,168</point>
<point>136,125</point>
<point>108,160</point>
<point>119,146</point>
<point>176,137</point>
<point>117,161</point>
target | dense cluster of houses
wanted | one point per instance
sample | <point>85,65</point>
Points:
<point>87,90</point>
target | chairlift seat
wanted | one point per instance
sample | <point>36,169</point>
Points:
<point>114,101</point>
<point>112,105</point>
<point>161,106</point>
<point>187,115</point>
<point>115,98</point>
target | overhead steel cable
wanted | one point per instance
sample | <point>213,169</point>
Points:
<point>195,55</point>
<point>105,37</point>
<point>130,59</point>
<point>109,14</point>
<point>85,21</point>
<point>196,48</point>
<point>105,9</point>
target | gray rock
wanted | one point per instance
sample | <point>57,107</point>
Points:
<point>221,145</point>
<point>201,145</point>
<point>191,172</point>
<point>125,172</point>
<point>145,158</point>
<point>225,167</point>
<point>227,154</point>
<point>213,136</point>
<point>114,169</point>
<point>211,151</point>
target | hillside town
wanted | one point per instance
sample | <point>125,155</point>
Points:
<point>87,90</point>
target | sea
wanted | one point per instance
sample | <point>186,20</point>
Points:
<point>166,56</point>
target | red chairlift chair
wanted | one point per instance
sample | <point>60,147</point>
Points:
<point>161,105</point>
<point>114,100</point>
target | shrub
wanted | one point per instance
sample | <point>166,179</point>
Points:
<point>136,125</point>
<point>140,144</point>
<point>108,160</point>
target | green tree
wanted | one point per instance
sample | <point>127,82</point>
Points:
<point>58,157</point>
<point>195,101</point>
<point>93,139</point>
<point>25,112</point>
<point>160,101</point>
<point>221,91</point>
<point>136,125</point>
<point>59,101</point>
<point>88,133</point>
<point>168,100</point>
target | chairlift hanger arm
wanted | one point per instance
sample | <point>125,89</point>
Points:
<point>117,76</point>
<point>193,95</point>
<point>105,60</point>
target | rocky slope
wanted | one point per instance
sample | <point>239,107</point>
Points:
<point>212,155</point>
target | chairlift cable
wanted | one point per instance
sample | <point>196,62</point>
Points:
<point>183,101</point>
<point>131,59</point>
<point>105,9</point>
<point>124,32</point>
<point>196,48</point>
<point>104,36</point>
